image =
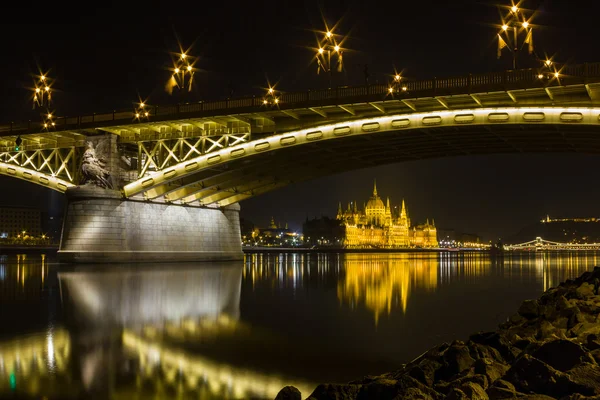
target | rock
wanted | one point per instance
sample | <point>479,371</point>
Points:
<point>593,342</point>
<point>289,393</point>
<point>478,379</point>
<point>457,394</point>
<point>474,391</point>
<point>332,391</point>
<point>585,290</point>
<point>502,389</point>
<point>584,329</point>
<point>380,389</point>
<point>493,370</point>
<point>455,359</point>
<point>561,355</point>
<point>411,387</point>
<point>586,375</point>
<point>498,342</point>
<point>531,375</point>
<point>529,309</point>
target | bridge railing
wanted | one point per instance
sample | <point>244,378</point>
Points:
<point>507,80</point>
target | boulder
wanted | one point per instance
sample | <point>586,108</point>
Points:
<point>561,355</point>
<point>289,393</point>
<point>332,391</point>
<point>498,342</point>
<point>530,375</point>
<point>586,375</point>
<point>455,359</point>
<point>492,369</point>
<point>529,309</point>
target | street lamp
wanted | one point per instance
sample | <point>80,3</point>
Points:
<point>517,22</point>
<point>271,97</point>
<point>141,111</point>
<point>184,65</point>
<point>42,92</point>
<point>48,122</point>
<point>329,46</point>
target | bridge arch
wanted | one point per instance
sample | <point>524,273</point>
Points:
<point>235,173</point>
<point>35,177</point>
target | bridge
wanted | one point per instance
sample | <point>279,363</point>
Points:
<point>540,244</point>
<point>126,330</point>
<point>209,156</point>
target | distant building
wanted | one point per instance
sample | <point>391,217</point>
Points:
<point>453,239</point>
<point>273,235</point>
<point>377,226</point>
<point>323,231</point>
<point>19,222</point>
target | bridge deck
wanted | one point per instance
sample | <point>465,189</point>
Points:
<point>577,86</point>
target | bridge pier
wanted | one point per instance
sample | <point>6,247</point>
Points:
<point>100,226</point>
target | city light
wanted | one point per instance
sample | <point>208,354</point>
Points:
<point>42,93</point>
<point>515,19</point>
<point>183,73</point>
<point>326,47</point>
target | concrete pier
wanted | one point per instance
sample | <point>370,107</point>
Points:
<point>101,226</point>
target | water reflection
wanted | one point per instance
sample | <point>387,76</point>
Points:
<point>152,326</point>
<point>382,282</point>
<point>236,331</point>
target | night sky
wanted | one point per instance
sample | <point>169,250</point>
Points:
<point>105,60</point>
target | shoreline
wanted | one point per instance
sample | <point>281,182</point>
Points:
<point>549,349</point>
<point>251,250</point>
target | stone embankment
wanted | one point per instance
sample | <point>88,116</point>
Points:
<point>550,349</point>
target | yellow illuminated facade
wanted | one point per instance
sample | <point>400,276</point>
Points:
<point>378,226</point>
<point>383,282</point>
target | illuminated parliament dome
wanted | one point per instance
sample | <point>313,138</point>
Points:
<point>378,226</point>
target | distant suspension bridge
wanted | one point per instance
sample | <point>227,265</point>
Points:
<point>540,244</point>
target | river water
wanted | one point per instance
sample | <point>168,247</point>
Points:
<point>246,329</point>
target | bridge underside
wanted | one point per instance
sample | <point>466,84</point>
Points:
<point>243,178</point>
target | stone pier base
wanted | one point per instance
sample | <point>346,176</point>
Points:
<point>102,227</point>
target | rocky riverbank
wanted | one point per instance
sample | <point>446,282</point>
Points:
<point>550,349</point>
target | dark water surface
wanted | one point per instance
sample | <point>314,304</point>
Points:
<point>244,330</point>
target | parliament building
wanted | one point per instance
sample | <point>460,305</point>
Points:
<point>377,225</point>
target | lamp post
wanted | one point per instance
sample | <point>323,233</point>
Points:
<point>516,22</point>
<point>329,46</point>
<point>182,66</point>
<point>42,92</point>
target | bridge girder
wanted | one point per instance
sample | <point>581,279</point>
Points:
<point>56,169</point>
<point>385,139</point>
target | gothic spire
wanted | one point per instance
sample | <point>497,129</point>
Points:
<point>387,206</point>
<point>403,212</point>
<point>340,208</point>
<point>375,187</point>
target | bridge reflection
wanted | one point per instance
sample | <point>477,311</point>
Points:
<point>134,332</point>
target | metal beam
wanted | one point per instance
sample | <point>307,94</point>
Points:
<point>242,119</point>
<point>409,104</point>
<point>347,109</point>
<point>588,89</point>
<point>512,96</point>
<point>320,112</point>
<point>549,93</point>
<point>378,107</point>
<point>261,115</point>
<point>477,100</point>
<point>443,102</point>
<point>290,114</point>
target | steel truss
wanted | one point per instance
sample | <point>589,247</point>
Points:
<point>157,155</point>
<point>60,163</point>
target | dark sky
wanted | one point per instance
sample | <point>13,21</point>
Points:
<point>104,59</point>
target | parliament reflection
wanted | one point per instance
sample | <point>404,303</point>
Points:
<point>383,282</point>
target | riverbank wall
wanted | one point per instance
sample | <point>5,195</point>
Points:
<point>549,349</point>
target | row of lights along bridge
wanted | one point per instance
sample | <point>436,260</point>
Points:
<point>328,57</point>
